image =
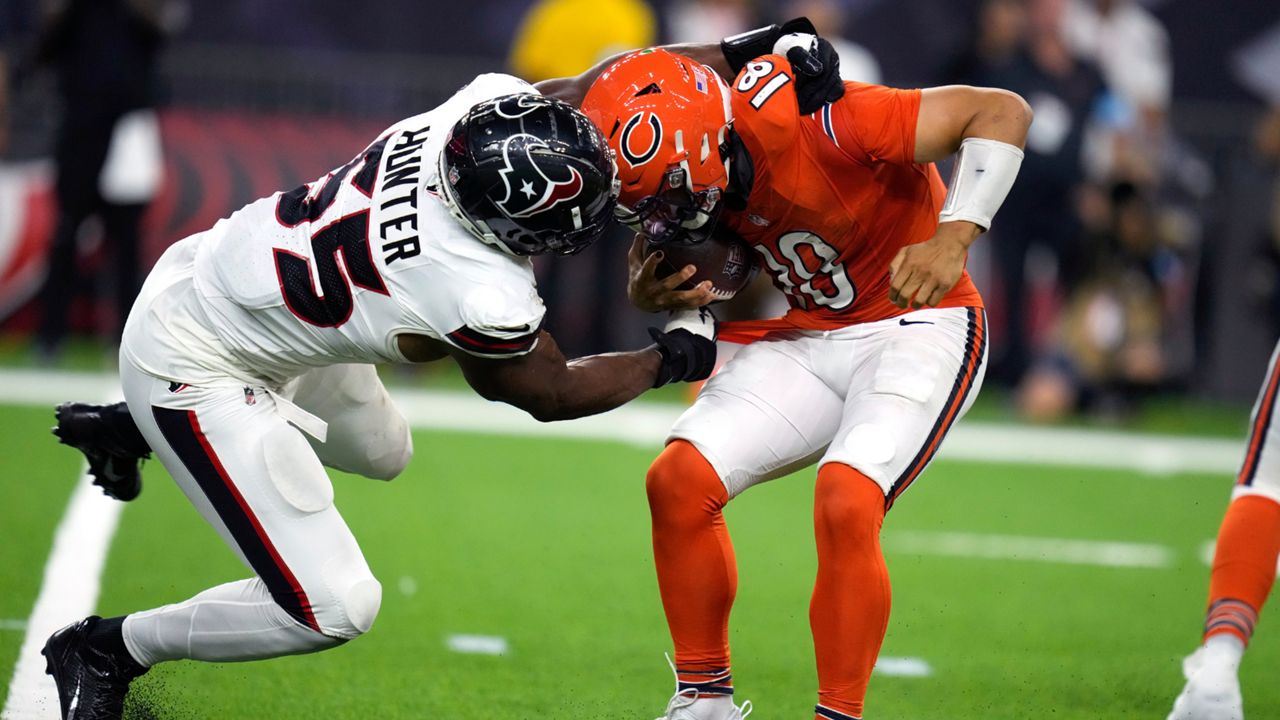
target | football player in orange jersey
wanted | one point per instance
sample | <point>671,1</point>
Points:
<point>1244,569</point>
<point>883,348</point>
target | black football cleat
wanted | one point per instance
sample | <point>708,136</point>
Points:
<point>110,441</point>
<point>91,684</point>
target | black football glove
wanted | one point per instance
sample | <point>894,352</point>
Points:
<point>817,69</point>
<point>744,47</point>
<point>687,346</point>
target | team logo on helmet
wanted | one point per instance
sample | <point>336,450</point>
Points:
<point>529,189</point>
<point>517,106</point>
<point>632,142</point>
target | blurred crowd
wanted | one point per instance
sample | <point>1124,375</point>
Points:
<point>1095,272</point>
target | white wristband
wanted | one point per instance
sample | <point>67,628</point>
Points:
<point>984,172</point>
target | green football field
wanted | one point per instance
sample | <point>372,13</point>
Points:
<point>1006,602</point>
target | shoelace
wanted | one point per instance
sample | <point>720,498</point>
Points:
<point>690,696</point>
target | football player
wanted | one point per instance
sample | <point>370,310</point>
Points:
<point>883,348</point>
<point>1244,569</point>
<point>247,365</point>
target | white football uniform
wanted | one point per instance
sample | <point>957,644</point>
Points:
<point>879,397</point>
<point>264,327</point>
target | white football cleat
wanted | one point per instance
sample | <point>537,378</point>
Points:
<point>687,705</point>
<point>1212,691</point>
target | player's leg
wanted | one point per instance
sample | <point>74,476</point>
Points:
<point>257,481</point>
<point>907,387</point>
<point>762,416</point>
<point>367,434</point>
<point>1244,569</point>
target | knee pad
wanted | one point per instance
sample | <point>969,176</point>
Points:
<point>390,452</point>
<point>351,610</point>
<point>362,602</point>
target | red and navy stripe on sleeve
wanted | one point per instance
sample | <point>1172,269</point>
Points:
<point>485,345</point>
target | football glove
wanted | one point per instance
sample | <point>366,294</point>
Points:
<point>743,48</point>
<point>687,345</point>
<point>817,69</point>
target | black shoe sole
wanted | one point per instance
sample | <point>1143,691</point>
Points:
<point>123,489</point>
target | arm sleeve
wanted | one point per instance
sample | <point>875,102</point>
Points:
<point>496,323</point>
<point>873,123</point>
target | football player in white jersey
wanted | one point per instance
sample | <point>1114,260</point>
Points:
<point>247,365</point>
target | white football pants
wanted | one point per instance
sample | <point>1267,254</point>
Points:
<point>261,483</point>
<point>879,397</point>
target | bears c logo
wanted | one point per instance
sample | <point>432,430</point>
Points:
<point>529,190</point>
<point>641,138</point>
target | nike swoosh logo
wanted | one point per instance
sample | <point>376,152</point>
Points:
<point>905,322</point>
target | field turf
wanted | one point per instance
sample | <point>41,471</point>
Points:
<point>544,542</point>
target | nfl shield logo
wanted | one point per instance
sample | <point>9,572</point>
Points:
<point>249,398</point>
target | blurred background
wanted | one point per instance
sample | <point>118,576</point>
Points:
<point>1135,262</point>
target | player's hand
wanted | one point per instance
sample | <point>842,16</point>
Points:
<point>687,345</point>
<point>650,293</point>
<point>817,69</point>
<point>922,274</point>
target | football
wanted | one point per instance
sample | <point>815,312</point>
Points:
<point>723,258</point>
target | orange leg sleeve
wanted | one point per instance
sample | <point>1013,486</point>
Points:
<point>1244,566</point>
<point>850,608</point>
<point>697,572</point>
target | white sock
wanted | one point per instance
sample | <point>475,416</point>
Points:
<point>1224,650</point>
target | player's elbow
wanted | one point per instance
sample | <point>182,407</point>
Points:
<point>539,404</point>
<point>1008,107</point>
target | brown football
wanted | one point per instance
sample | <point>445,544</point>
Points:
<point>724,259</point>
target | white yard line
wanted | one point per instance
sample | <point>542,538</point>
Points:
<point>478,644</point>
<point>13,624</point>
<point>646,425</point>
<point>68,592</point>
<point>1033,549</point>
<point>903,667</point>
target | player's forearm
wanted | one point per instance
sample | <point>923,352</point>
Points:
<point>596,384</point>
<point>573,89</point>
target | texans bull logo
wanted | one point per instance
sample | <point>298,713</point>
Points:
<point>529,190</point>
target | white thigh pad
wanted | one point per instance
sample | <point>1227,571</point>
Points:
<point>295,471</point>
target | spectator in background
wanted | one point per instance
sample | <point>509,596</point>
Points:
<point>692,21</point>
<point>1018,46</point>
<point>1109,341</point>
<point>1131,47</point>
<point>4,103</point>
<point>856,62</point>
<point>561,38</point>
<point>108,146</point>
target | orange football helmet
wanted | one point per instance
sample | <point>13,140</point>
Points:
<point>667,118</point>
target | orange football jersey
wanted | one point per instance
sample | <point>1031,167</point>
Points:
<point>836,195</point>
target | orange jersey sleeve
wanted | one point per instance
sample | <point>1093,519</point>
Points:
<point>872,123</point>
<point>764,102</point>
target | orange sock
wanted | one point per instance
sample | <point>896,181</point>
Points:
<point>850,608</point>
<point>1244,566</point>
<point>697,572</point>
